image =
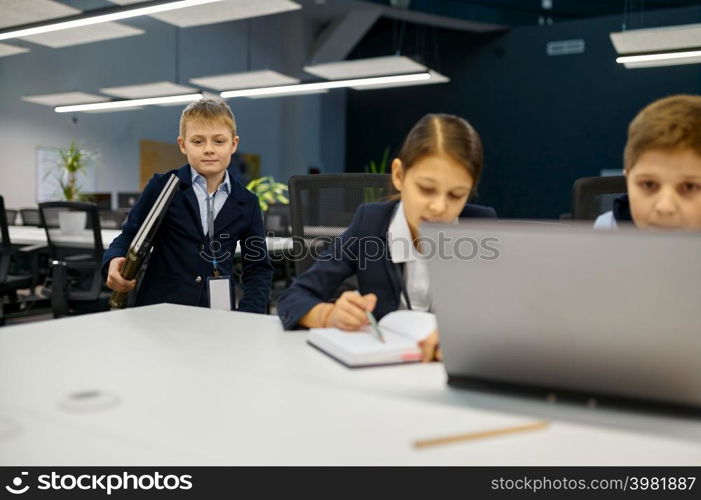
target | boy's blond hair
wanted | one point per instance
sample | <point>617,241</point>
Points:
<point>671,123</point>
<point>208,110</point>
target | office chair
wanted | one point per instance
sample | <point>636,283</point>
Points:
<point>30,217</point>
<point>110,219</point>
<point>277,220</point>
<point>11,216</point>
<point>322,207</point>
<point>76,260</point>
<point>10,281</point>
<point>593,196</point>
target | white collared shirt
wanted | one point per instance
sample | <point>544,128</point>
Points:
<point>402,250</point>
<point>218,198</point>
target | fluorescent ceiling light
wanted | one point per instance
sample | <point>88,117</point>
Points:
<point>10,50</point>
<point>660,59</point>
<point>84,34</point>
<point>665,46</point>
<point>130,103</point>
<point>337,84</point>
<point>283,94</point>
<point>435,78</point>
<point>114,110</point>
<point>360,68</point>
<point>63,98</point>
<point>244,80</point>
<point>115,15</point>
<point>155,89</point>
<point>226,10</point>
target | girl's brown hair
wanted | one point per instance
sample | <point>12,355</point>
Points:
<point>448,135</point>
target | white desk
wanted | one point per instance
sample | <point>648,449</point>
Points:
<point>208,387</point>
<point>28,235</point>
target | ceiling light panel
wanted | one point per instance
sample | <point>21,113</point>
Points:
<point>16,12</point>
<point>657,39</point>
<point>64,98</point>
<point>219,12</point>
<point>360,68</point>
<point>154,89</point>
<point>84,34</point>
<point>244,80</point>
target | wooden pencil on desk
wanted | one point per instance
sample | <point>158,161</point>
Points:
<point>455,438</point>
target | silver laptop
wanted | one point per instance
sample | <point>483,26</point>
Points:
<point>568,310</point>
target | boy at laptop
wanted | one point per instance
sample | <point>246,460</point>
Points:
<point>209,214</point>
<point>662,165</point>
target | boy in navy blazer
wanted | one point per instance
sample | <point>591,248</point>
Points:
<point>210,202</point>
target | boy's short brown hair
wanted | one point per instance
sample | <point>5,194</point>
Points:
<point>208,110</point>
<point>670,123</point>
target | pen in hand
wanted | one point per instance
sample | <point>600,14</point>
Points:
<point>373,324</point>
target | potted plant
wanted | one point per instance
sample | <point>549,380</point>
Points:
<point>268,191</point>
<point>73,163</point>
<point>381,167</point>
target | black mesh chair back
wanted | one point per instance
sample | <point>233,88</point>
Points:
<point>30,217</point>
<point>12,276</point>
<point>11,216</point>
<point>5,245</point>
<point>72,225</point>
<point>74,237</point>
<point>593,196</point>
<point>278,221</point>
<point>322,207</point>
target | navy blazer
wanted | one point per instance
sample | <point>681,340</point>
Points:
<point>351,256</point>
<point>180,263</point>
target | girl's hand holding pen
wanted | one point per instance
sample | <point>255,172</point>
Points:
<point>349,312</point>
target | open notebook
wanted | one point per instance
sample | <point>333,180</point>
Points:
<point>402,331</point>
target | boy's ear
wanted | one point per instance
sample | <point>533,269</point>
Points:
<point>397,174</point>
<point>235,144</point>
<point>181,144</point>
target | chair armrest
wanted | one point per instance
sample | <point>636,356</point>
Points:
<point>32,248</point>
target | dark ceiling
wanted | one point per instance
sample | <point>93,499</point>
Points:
<point>520,12</point>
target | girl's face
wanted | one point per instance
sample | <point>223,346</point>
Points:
<point>434,189</point>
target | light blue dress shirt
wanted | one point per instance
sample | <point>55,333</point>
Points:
<point>217,199</point>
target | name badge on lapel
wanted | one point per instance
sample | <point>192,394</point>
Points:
<point>219,293</point>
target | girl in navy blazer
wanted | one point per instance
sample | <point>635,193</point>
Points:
<point>435,172</point>
<point>210,213</point>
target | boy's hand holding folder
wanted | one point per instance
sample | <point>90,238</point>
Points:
<point>114,277</point>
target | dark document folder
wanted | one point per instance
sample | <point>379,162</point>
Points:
<point>142,242</point>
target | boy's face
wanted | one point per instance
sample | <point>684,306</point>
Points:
<point>208,147</point>
<point>664,188</point>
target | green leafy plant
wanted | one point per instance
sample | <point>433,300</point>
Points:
<point>381,167</point>
<point>73,163</point>
<point>268,191</point>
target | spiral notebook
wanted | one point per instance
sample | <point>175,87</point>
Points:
<point>402,331</point>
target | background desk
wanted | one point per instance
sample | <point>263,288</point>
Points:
<point>208,387</point>
<point>29,235</point>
